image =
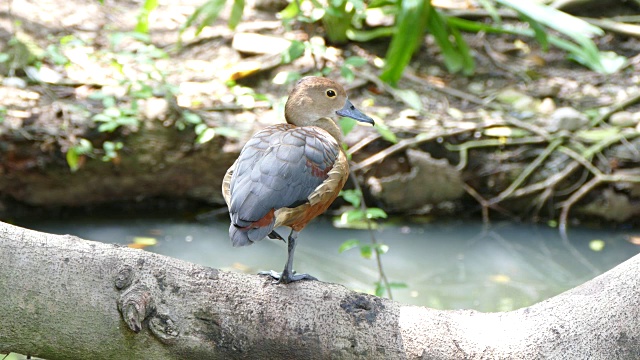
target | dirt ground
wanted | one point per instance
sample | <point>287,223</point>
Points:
<point>57,111</point>
<point>202,65</point>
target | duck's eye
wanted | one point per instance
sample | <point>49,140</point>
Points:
<point>331,93</point>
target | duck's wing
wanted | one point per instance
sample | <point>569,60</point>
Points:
<point>279,167</point>
<point>226,184</point>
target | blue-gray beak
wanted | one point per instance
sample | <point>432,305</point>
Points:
<point>350,111</point>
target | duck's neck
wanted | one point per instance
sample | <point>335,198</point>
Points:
<point>329,126</point>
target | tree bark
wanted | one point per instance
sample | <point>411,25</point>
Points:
<point>68,298</point>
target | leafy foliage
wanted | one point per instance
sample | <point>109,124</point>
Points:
<point>143,16</point>
<point>207,13</point>
<point>343,20</point>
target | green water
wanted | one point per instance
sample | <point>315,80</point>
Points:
<point>445,265</point>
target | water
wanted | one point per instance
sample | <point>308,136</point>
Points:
<point>447,265</point>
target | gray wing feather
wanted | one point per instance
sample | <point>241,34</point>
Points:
<point>279,167</point>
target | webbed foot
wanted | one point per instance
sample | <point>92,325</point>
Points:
<point>285,277</point>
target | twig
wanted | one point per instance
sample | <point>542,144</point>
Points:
<point>617,107</point>
<point>362,143</point>
<point>574,198</point>
<point>407,143</point>
<point>576,254</point>
<point>485,205</point>
<point>614,26</point>
<point>542,199</point>
<point>464,147</point>
<point>533,128</point>
<point>597,180</point>
<point>575,186</point>
<point>581,159</point>
<point>549,182</point>
<point>411,76</point>
<point>374,241</point>
<point>526,172</point>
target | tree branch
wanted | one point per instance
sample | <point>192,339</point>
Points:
<point>68,298</point>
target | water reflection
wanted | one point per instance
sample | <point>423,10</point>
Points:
<point>447,265</point>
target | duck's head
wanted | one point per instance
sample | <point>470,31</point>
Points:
<point>315,99</point>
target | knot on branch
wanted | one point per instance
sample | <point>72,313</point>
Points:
<point>164,328</point>
<point>124,278</point>
<point>362,307</point>
<point>136,305</point>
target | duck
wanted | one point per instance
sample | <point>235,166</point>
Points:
<point>288,174</point>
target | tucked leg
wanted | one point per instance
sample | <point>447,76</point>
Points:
<point>274,235</point>
<point>288,275</point>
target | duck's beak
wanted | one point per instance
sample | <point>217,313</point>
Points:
<point>350,111</point>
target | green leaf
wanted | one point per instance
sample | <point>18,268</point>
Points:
<point>453,59</point>
<point>73,159</point>
<point>376,213</point>
<point>56,56</point>
<point>491,9</point>
<point>379,292</point>
<point>108,126</point>
<point>585,52</point>
<point>539,31</point>
<point>110,148</point>
<point>346,125</point>
<point>128,121</point>
<point>410,26</point>
<point>612,62</point>
<point>200,128</point>
<point>410,98</point>
<point>368,35</point>
<point>294,51</point>
<point>599,134</point>
<point>351,196</point>
<point>207,135</point>
<point>386,134</point>
<point>112,112</point>
<point>204,15</point>
<point>355,61</point>
<point>289,12</point>
<point>468,65</point>
<point>347,73</point>
<point>560,21</point>
<point>228,132</point>
<point>84,147</point>
<point>4,57</point>
<point>191,118</point>
<point>142,37</point>
<point>348,245</point>
<point>109,101</point>
<point>353,215</point>
<point>286,77</point>
<point>236,13</point>
<point>142,25</point>
<point>101,118</point>
<point>366,251</point>
<point>336,21</point>
<point>382,248</point>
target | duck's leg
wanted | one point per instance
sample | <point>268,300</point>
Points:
<point>288,275</point>
<point>274,235</point>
